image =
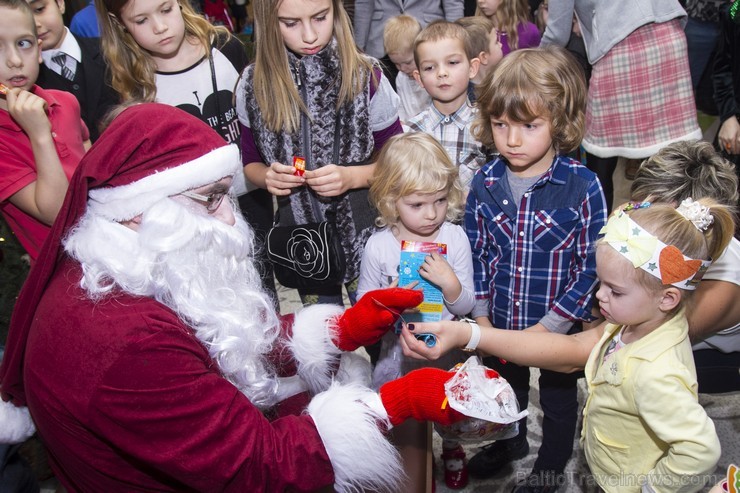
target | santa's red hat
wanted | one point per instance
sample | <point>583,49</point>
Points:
<point>149,152</point>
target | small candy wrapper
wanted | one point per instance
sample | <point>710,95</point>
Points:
<point>299,164</point>
<point>489,403</point>
<point>3,89</point>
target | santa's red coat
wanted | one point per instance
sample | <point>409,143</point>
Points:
<point>126,398</point>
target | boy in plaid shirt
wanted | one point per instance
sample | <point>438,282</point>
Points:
<point>445,65</point>
<point>533,216</point>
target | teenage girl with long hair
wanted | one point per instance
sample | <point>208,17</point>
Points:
<point>311,94</point>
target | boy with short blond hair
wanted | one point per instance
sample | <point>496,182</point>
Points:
<point>398,39</point>
<point>485,43</point>
<point>73,64</point>
<point>446,63</point>
<point>42,137</point>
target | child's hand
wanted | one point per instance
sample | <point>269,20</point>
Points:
<point>435,269</point>
<point>29,111</point>
<point>280,179</point>
<point>330,180</point>
<point>449,334</point>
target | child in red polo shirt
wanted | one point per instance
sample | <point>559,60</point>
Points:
<point>42,137</point>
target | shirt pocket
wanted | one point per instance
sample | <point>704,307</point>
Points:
<point>608,454</point>
<point>498,223</point>
<point>555,229</point>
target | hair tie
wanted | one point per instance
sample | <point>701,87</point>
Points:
<point>631,206</point>
<point>698,214</point>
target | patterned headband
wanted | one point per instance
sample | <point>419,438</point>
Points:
<point>644,250</point>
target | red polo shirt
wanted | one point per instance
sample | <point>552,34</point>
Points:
<point>18,166</point>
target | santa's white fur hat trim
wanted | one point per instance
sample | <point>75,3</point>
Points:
<point>16,424</point>
<point>125,202</point>
<point>350,420</point>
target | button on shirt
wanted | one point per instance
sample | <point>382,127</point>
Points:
<point>453,132</point>
<point>539,256</point>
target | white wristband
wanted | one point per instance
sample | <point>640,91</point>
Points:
<point>474,335</point>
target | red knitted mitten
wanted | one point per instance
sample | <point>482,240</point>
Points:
<point>372,316</point>
<point>420,394</point>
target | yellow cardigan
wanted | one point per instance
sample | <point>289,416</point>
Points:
<point>642,422</point>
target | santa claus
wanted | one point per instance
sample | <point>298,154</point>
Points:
<point>151,360</point>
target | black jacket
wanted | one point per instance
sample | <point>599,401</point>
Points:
<point>91,85</point>
<point>726,76</point>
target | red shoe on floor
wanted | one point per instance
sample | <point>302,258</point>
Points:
<point>456,468</point>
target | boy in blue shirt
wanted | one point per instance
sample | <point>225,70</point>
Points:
<point>533,216</point>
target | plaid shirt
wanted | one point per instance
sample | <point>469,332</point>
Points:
<point>539,256</point>
<point>453,132</point>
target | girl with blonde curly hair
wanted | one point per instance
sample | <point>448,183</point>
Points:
<point>417,192</point>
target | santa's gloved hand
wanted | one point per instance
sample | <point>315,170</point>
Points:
<point>372,316</point>
<point>419,394</point>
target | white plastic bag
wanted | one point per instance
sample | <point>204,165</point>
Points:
<point>489,403</point>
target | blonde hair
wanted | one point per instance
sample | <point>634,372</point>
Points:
<point>414,163</point>
<point>479,29</point>
<point>399,33</point>
<point>667,224</point>
<point>276,93</point>
<point>532,83</point>
<point>686,169</point>
<point>23,6</point>
<point>439,30</point>
<point>508,16</point>
<point>133,70</point>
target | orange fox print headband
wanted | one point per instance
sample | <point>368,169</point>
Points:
<point>647,252</point>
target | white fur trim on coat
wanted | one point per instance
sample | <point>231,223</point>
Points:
<point>354,368</point>
<point>16,424</point>
<point>362,457</point>
<point>128,201</point>
<point>312,345</point>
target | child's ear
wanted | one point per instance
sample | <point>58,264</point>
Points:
<point>417,76</point>
<point>61,5</point>
<point>483,57</point>
<point>38,45</point>
<point>670,299</point>
<point>474,66</point>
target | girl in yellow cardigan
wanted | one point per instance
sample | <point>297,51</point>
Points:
<point>643,428</point>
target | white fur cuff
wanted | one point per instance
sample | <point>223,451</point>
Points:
<point>312,345</point>
<point>361,456</point>
<point>16,424</point>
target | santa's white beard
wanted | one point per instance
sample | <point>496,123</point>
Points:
<point>199,267</point>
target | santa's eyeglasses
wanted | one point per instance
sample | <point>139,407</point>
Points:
<point>212,201</point>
